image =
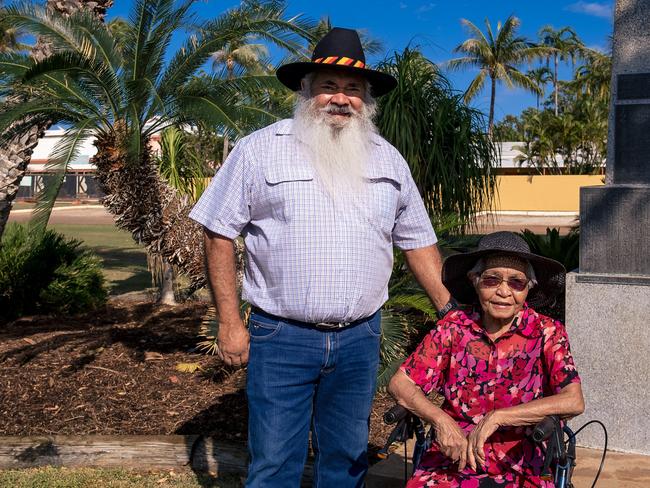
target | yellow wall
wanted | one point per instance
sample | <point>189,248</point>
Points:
<point>544,193</point>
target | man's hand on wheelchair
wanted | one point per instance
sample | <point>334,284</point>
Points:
<point>451,440</point>
<point>476,440</point>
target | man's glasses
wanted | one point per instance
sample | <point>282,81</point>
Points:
<point>492,281</point>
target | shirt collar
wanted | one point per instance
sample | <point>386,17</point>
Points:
<point>528,324</point>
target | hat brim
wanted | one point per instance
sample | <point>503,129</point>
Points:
<point>290,75</point>
<point>550,275</point>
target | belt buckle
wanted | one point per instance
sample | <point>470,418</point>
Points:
<point>331,325</point>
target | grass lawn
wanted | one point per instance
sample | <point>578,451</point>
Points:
<point>50,477</point>
<point>125,262</point>
<point>21,205</point>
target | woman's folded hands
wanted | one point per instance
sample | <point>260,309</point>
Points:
<point>451,439</point>
<point>477,437</point>
<point>465,450</point>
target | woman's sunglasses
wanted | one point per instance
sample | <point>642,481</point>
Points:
<point>492,281</point>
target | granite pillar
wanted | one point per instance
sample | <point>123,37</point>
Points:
<point>608,299</point>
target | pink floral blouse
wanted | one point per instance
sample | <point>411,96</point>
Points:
<point>477,375</point>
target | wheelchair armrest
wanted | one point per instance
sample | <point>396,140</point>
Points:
<point>543,430</point>
<point>395,414</point>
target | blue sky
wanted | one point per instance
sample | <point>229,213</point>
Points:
<point>435,27</point>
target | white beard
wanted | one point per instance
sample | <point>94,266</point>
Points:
<point>339,152</point>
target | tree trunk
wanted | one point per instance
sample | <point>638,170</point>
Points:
<point>226,148</point>
<point>14,158</point>
<point>145,205</point>
<point>17,152</point>
<point>555,83</point>
<point>493,91</point>
<point>167,285</point>
<point>230,66</point>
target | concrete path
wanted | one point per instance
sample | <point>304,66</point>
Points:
<point>70,214</point>
<point>621,470</point>
<point>535,221</point>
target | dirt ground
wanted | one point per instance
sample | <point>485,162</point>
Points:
<point>114,372</point>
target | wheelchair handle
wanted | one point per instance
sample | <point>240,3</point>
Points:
<point>543,430</point>
<point>395,414</point>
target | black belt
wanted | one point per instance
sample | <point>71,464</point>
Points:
<point>325,326</point>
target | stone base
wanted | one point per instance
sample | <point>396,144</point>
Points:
<point>609,328</point>
<point>615,229</point>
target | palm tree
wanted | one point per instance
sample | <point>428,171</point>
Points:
<point>540,76</point>
<point>180,166</point>
<point>496,58</point>
<point>371,46</point>
<point>239,53</point>
<point>121,97</point>
<point>15,153</point>
<point>564,44</point>
<point>593,78</point>
<point>242,54</point>
<point>10,38</point>
<point>119,28</point>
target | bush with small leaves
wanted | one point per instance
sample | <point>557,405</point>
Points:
<point>44,272</point>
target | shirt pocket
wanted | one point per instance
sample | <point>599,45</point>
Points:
<point>381,203</point>
<point>288,191</point>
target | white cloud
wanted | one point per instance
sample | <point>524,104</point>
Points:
<point>425,8</point>
<point>596,9</point>
<point>597,47</point>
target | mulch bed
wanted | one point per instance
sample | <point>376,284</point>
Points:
<point>113,372</point>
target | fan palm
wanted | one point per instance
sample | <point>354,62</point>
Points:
<point>497,58</point>
<point>123,97</point>
<point>16,153</point>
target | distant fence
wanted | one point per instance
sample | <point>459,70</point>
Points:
<point>76,186</point>
<point>516,193</point>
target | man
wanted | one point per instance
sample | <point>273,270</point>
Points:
<point>320,201</point>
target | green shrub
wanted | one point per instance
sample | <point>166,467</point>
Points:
<point>565,249</point>
<point>43,272</point>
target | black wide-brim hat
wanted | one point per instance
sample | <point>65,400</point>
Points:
<point>549,273</point>
<point>340,49</point>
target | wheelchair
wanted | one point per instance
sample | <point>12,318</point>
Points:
<point>556,439</point>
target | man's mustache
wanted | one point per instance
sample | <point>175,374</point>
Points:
<point>339,110</point>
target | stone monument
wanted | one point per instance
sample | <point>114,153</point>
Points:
<point>608,299</point>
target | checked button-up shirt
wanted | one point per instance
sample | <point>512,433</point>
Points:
<point>307,257</point>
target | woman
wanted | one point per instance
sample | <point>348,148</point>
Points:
<point>500,366</point>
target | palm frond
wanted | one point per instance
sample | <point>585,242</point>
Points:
<point>418,300</point>
<point>13,66</point>
<point>392,351</point>
<point>66,150</point>
<point>81,32</point>
<point>265,21</point>
<point>97,78</point>
<point>475,86</point>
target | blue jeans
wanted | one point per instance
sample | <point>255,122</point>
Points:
<point>300,377</point>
